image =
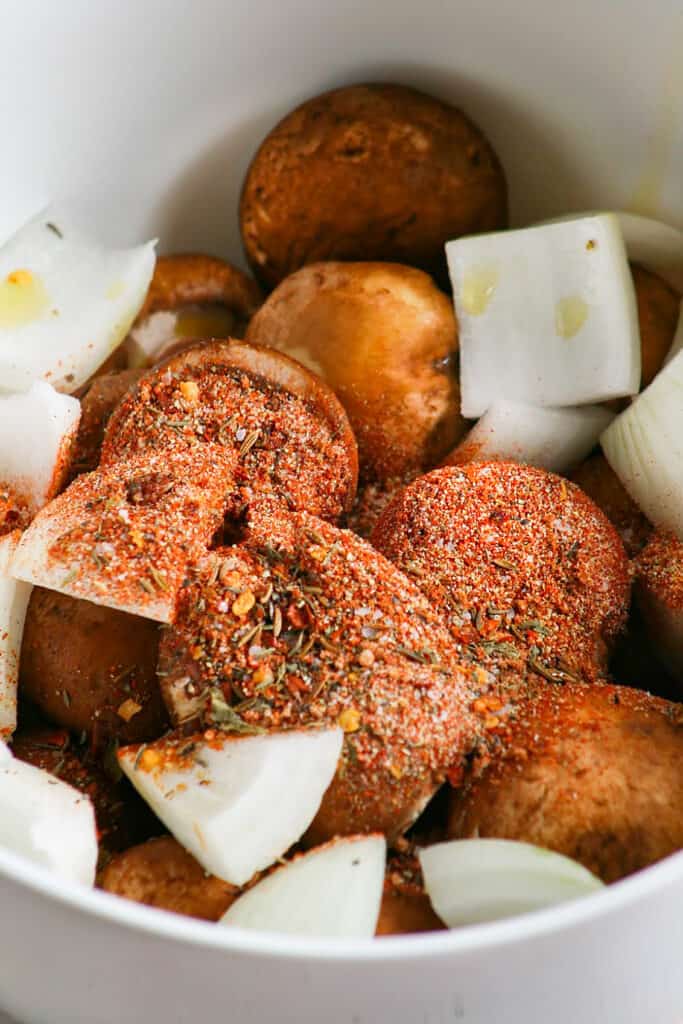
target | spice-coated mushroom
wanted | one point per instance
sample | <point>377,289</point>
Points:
<point>527,571</point>
<point>283,427</point>
<point>658,590</point>
<point>97,405</point>
<point>187,451</point>
<point>303,624</point>
<point>385,339</point>
<point>593,772</point>
<point>369,172</point>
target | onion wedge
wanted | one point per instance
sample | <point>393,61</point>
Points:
<point>474,880</point>
<point>66,302</point>
<point>653,243</point>
<point>36,431</point>
<point>552,439</point>
<point>677,343</point>
<point>237,803</point>
<point>644,447</point>
<point>546,315</point>
<point>46,820</point>
<point>333,891</point>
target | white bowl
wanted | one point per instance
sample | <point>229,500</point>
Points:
<point>147,114</point>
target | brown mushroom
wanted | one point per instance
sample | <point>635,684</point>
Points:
<point>305,624</point>
<point>658,312</point>
<point>598,480</point>
<point>191,296</point>
<point>593,772</point>
<point>369,172</point>
<point>92,669</point>
<point>160,873</point>
<point>528,573</point>
<point>384,338</point>
<point>249,405</point>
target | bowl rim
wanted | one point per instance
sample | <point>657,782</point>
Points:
<point>618,896</point>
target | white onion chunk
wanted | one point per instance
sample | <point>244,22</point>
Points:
<point>547,315</point>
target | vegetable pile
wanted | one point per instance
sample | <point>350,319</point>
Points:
<point>217,696</point>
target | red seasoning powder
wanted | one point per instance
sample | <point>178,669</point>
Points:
<point>304,624</point>
<point>658,589</point>
<point>592,772</point>
<point>531,576</point>
<point>596,477</point>
<point>14,511</point>
<point>284,430</point>
<point>371,500</point>
<point>659,570</point>
<point>124,536</point>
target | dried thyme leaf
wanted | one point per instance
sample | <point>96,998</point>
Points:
<point>503,563</point>
<point>502,648</point>
<point>158,579</point>
<point>227,719</point>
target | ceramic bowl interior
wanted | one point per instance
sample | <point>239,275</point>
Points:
<point>147,115</point>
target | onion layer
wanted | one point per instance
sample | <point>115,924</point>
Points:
<point>644,446</point>
<point>474,880</point>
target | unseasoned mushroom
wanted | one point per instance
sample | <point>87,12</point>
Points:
<point>191,296</point>
<point>306,624</point>
<point>527,572</point>
<point>593,772</point>
<point>92,669</point>
<point>373,172</point>
<point>161,874</point>
<point>658,312</point>
<point>384,338</point>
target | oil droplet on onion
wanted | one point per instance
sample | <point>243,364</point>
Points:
<point>23,299</point>
<point>478,286</point>
<point>571,314</point>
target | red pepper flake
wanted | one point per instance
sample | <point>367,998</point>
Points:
<point>243,604</point>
